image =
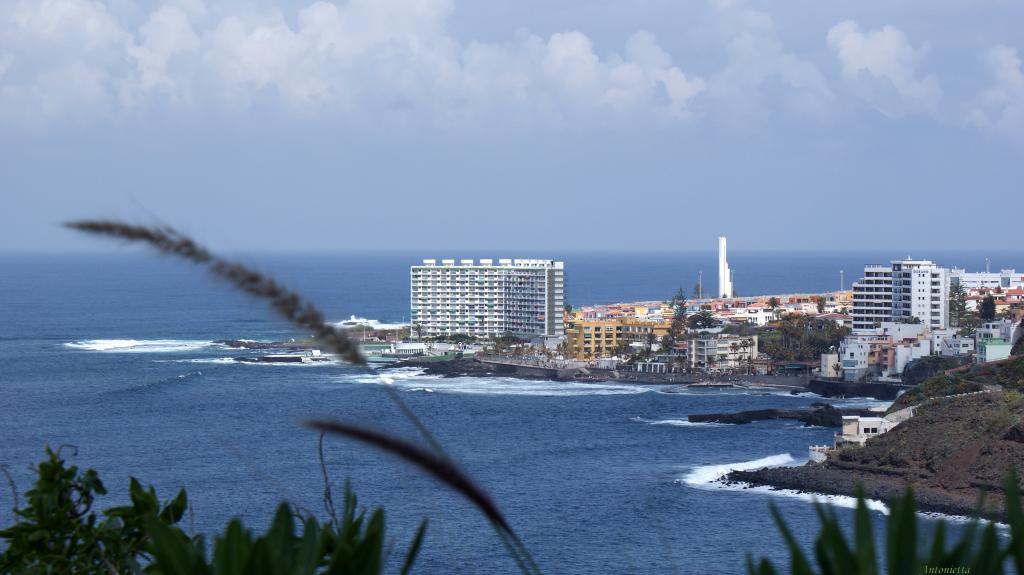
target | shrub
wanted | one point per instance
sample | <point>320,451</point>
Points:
<point>59,532</point>
<point>978,551</point>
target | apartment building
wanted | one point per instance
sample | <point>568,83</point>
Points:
<point>595,338</point>
<point>903,291</point>
<point>523,297</point>
<point>723,353</point>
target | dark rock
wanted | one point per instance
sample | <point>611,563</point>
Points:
<point>279,345</point>
<point>819,414</point>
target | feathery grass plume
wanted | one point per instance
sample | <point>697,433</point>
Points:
<point>442,468</point>
<point>291,305</point>
<point>304,314</point>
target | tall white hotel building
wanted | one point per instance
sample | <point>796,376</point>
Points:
<point>519,297</point>
<point>902,290</point>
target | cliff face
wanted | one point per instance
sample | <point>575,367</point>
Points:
<point>949,452</point>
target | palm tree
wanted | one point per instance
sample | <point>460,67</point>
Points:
<point>745,344</point>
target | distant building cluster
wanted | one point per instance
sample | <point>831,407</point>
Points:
<point>755,310</point>
<point>897,312</point>
<point>901,312</point>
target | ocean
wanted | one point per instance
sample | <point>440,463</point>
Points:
<point>112,354</point>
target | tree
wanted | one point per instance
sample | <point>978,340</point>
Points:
<point>987,310</point>
<point>666,342</point>
<point>679,298</point>
<point>675,332</point>
<point>702,320</point>
<point>821,304</point>
<point>680,363</point>
<point>651,338</point>
<point>957,304</point>
<point>773,302</point>
<point>801,338</point>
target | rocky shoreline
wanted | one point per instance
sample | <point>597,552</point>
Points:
<point>950,452</point>
<point>473,367</point>
<point>816,480</point>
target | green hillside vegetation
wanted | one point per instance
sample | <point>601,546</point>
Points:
<point>1007,375</point>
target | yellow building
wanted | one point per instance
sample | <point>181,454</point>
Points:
<point>594,338</point>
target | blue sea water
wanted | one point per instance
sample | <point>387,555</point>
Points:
<point>596,478</point>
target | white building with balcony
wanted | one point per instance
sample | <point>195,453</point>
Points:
<point>522,297</point>
<point>722,353</point>
<point>903,291</point>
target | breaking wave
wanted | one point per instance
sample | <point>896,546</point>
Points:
<point>709,474</point>
<point>231,361</point>
<point>412,381</point>
<point>679,422</point>
<point>709,477</point>
<point>139,345</point>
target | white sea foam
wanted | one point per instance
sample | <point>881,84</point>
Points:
<point>206,360</point>
<point>139,345</point>
<point>679,422</point>
<point>710,476</point>
<point>704,475</point>
<point>233,361</point>
<point>359,322</point>
<point>495,385</point>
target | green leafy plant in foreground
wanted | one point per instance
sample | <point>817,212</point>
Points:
<point>978,551</point>
<point>59,532</point>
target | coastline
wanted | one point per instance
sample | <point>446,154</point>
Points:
<point>474,367</point>
<point>806,479</point>
<point>953,450</point>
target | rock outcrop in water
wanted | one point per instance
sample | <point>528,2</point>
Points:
<point>249,344</point>
<point>459,367</point>
<point>819,414</point>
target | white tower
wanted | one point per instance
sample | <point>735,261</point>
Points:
<point>724,273</point>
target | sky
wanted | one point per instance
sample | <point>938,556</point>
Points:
<point>293,125</point>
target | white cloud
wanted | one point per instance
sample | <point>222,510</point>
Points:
<point>166,34</point>
<point>1001,106</point>
<point>358,57</point>
<point>881,64</point>
<point>60,55</point>
<point>760,74</point>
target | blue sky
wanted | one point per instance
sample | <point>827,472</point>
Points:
<point>435,124</point>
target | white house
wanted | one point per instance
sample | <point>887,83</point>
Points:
<point>858,429</point>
